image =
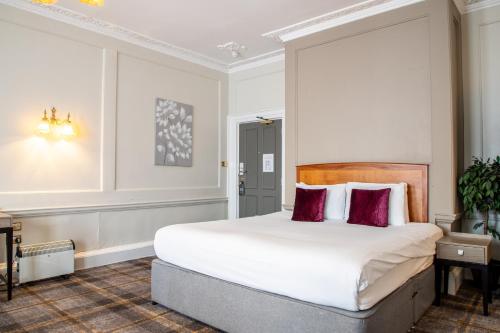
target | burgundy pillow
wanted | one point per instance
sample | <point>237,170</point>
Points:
<point>370,207</point>
<point>309,205</point>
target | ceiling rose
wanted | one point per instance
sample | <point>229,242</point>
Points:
<point>235,49</point>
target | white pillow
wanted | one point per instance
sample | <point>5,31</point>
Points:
<point>398,200</point>
<point>335,199</point>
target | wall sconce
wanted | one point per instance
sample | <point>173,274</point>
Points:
<point>54,127</point>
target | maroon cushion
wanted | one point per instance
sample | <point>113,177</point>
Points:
<point>309,205</point>
<point>370,207</point>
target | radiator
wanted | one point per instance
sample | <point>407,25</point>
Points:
<point>42,261</point>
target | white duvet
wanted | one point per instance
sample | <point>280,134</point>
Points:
<point>331,263</point>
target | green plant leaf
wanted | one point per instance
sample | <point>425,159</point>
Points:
<point>477,225</point>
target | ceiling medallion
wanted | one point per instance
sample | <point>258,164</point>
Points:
<point>98,3</point>
<point>235,49</point>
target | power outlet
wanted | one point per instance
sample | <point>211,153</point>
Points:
<point>17,226</point>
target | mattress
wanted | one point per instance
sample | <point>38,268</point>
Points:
<point>333,263</point>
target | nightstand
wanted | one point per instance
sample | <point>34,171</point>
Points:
<point>464,250</point>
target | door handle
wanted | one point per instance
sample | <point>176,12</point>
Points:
<point>242,188</point>
<point>242,170</point>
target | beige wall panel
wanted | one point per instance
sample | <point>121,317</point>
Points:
<point>378,89</point>
<point>355,95</point>
<point>81,228</point>
<point>126,227</point>
<point>140,82</point>
<point>40,70</point>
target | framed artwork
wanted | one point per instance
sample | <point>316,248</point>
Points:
<point>174,133</point>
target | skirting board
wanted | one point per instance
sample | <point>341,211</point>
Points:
<point>102,257</point>
<point>111,255</point>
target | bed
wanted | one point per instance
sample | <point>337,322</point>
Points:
<point>268,274</point>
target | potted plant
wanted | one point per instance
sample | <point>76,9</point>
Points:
<point>479,189</point>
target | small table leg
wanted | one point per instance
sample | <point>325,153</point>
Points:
<point>9,236</point>
<point>486,290</point>
<point>437,282</point>
<point>446,278</point>
<point>491,286</point>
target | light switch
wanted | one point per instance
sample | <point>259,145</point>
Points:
<point>460,252</point>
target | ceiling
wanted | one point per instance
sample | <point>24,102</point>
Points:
<point>201,25</point>
<point>192,29</point>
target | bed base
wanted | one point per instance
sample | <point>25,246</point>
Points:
<point>238,309</point>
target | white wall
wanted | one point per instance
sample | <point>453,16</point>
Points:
<point>257,90</point>
<point>481,63</point>
<point>260,90</point>
<point>481,54</point>
<point>102,188</point>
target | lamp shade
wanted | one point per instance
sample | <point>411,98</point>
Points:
<point>67,130</point>
<point>44,125</point>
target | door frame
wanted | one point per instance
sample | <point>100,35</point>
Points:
<point>233,154</point>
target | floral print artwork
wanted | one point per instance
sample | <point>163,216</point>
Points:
<point>174,133</point>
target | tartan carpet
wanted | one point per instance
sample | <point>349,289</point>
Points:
<point>116,298</point>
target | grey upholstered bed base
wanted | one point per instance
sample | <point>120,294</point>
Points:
<point>235,308</point>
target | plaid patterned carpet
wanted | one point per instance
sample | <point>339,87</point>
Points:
<point>116,298</point>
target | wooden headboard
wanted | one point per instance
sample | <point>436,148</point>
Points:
<point>415,175</point>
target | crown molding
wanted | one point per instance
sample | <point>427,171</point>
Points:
<point>475,5</point>
<point>304,28</point>
<point>111,30</point>
<point>336,18</point>
<point>460,4</point>
<point>257,61</point>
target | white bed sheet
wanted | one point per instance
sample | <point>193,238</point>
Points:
<point>332,263</point>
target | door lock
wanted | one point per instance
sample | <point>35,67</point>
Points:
<point>242,188</point>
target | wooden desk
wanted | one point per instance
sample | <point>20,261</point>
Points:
<point>9,233</point>
<point>6,228</point>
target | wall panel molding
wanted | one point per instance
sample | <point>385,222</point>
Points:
<point>103,125</point>
<point>216,179</point>
<point>35,83</point>
<point>108,119</point>
<point>40,212</point>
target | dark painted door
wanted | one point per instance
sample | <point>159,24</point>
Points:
<point>260,168</point>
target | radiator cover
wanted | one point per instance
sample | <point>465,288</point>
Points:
<point>45,260</point>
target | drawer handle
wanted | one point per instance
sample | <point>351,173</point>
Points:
<point>460,252</point>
